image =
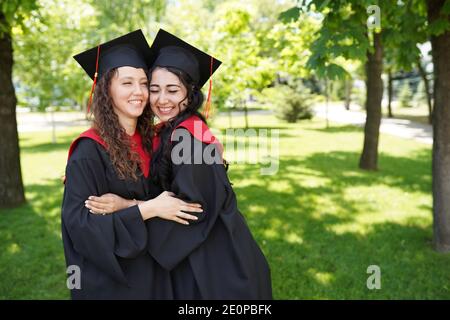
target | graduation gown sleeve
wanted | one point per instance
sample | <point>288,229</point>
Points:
<point>97,238</point>
<point>171,242</point>
<point>215,257</point>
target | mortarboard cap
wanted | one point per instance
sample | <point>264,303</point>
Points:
<point>130,50</point>
<point>170,51</point>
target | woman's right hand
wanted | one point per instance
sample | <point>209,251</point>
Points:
<point>166,206</point>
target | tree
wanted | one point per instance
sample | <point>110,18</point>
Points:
<point>425,89</point>
<point>390,93</point>
<point>344,35</point>
<point>439,26</point>
<point>47,74</point>
<point>402,53</point>
<point>11,185</point>
<point>45,70</point>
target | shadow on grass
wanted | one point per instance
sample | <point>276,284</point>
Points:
<point>32,264</point>
<point>283,131</point>
<point>409,174</point>
<point>295,225</point>
<point>62,143</point>
<point>311,259</point>
<point>242,127</point>
<point>338,129</point>
<point>423,119</point>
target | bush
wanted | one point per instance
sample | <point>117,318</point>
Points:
<point>405,96</point>
<point>291,102</point>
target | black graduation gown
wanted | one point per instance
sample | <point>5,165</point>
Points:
<point>215,257</point>
<point>111,250</point>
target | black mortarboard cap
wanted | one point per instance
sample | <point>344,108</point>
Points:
<point>130,50</point>
<point>170,51</point>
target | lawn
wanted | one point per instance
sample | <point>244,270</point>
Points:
<point>320,221</point>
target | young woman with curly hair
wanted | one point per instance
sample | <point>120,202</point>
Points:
<point>108,252</point>
<point>216,256</point>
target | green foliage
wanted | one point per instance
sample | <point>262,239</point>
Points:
<point>292,14</point>
<point>291,102</point>
<point>239,45</point>
<point>44,69</point>
<point>114,17</point>
<point>291,44</point>
<point>442,23</point>
<point>409,28</point>
<point>438,27</point>
<point>253,45</point>
<point>15,12</point>
<point>45,73</point>
<point>344,37</point>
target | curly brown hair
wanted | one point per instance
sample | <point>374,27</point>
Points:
<point>118,144</point>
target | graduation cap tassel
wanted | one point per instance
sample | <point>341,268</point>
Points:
<point>95,80</point>
<point>208,100</point>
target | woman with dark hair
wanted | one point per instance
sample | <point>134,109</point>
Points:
<point>216,256</point>
<point>109,251</point>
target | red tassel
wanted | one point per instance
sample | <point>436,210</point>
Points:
<point>95,80</point>
<point>208,100</point>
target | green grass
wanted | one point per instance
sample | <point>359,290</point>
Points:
<point>320,221</point>
<point>416,113</point>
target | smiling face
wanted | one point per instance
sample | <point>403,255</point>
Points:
<point>129,92</point>
<point>167,94</point>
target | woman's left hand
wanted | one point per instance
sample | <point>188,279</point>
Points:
<point>108,203</point>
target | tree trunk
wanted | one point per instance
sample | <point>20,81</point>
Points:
<point>427,91</point>
<point>374,66</point>
<point>348,92</point>
<point>390,115</point>
<point>441,131</point>
<point>11,187</point>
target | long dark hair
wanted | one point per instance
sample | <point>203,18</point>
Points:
<point>106,122</point>
<point>161,159</point>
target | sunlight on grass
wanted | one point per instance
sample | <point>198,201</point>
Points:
<point>320,220</point>
<point>324,278</point>
<point>293,238</point>
<point>13,248</point>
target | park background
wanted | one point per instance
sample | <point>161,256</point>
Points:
<point>348,194</point>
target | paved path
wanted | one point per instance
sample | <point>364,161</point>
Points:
<point>28,122</point>
<point>397,127</point>
<point>33,121</point>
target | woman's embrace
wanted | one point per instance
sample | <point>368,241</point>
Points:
<point>168,247</point>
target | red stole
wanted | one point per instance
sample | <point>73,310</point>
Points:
<point>196,127</point>
<point>136,145</point>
